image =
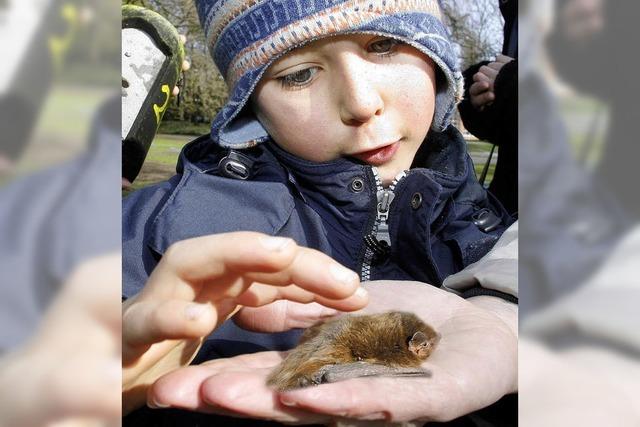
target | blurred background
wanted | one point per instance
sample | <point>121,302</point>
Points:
<point>59,213</point>
<point>579,211</point>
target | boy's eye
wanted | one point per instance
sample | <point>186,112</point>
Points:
<point>298,78</point>
<point>383,46</point>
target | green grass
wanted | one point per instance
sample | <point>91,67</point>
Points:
<point>184,128</point>
<point>161,160</point>
<point>577,103</point>
<point>579,114</point>
<point>68,110</point>
<point>105,75</point>
<point>62,129</point>
<point>479,151</point>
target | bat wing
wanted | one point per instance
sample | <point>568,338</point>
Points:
<point>345,371</point>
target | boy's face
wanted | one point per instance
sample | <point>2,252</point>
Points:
<point>363,96</point>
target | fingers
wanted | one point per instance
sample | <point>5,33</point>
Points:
<point>479,87</point>
<point>260,294</point>
<point>315,272</point>
<point>148,322</point>
<point>281,316</point>
<point>490,71</point>
<point>495,66</point>
<point>481,91</point>
<point>483,100</point>
<point>481,77</point>
<point>388,399</point>
<point>246,393</point>
<point>200,281</point>
<point>503,58</point>
<point>481,95</point>
<point>213,264</point>
<point>180,389</point>
<point>352,399</point>
<point>217,258</point>
<point>235,386</point>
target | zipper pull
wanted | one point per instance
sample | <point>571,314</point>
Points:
<point>385,197</point>
<point>379,241</point>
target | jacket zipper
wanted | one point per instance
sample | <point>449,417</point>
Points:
<point>378,241</point>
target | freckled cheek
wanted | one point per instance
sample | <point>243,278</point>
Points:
<point>302,128</point>
<point>415,100</point>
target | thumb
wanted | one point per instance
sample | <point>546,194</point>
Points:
<point>282,315</point>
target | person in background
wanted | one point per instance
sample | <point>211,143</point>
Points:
<point>489,109</point>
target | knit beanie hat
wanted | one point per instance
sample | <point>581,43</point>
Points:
<point>246,36</point>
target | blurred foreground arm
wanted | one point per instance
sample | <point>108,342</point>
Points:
<point>70,368</point>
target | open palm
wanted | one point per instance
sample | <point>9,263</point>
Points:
<point>474,365</point>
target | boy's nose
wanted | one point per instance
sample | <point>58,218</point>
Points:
<point>360,97</point>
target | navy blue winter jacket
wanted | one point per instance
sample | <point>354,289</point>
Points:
<point>438,218</point>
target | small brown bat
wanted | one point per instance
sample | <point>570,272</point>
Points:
<point>387,344</point>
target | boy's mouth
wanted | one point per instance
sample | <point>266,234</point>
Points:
<point>378,156</point>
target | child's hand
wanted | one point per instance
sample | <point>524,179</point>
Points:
<point>201,282</point>
<point>482,90</point>
<point>282,316</point>
<point>474,365</point>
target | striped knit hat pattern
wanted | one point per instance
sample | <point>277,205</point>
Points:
<point>246,36</point>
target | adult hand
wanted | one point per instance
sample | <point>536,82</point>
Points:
<point>201,282</point>
<point>70,368</point>
<point>482,92</point>
<point>474,365</point>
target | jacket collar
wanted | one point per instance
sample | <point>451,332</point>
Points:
<point>443,154</point>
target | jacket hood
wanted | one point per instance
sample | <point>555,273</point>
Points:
<point>243,47</point>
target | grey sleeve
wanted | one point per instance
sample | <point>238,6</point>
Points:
<point>496,271</point>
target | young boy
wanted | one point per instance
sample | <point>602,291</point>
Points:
<point>337,135</point>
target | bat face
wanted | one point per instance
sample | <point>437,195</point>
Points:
<point>421,345</point>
